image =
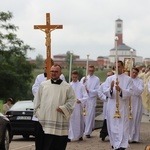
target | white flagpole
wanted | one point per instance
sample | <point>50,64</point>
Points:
<point>116,40</point>
<point>87,65</point>
<point>131,62</point>
<point>70,68</point>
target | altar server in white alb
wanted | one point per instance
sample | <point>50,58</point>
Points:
<point>136,104</point>
<point>118,128</point>
<point>53,105</point>
<point>92,83</point>
<point>104,132</point>
<point>39,79</point>
<point>76,126</point>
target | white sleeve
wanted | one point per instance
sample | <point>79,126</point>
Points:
<point>93,92</point>
<point>107,88</point>
<point>37,101</point>
<point>62,77</point>
<point>127,92</point>
<point>84,95</point>
<point>138,90</point>
<point>101,95</point>
<point>36,86</point>
<point>82,80</point>
<point>149,86</point>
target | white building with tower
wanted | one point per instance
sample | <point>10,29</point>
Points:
<point>124,51</point>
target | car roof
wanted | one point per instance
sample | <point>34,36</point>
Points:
<point>22,105</point>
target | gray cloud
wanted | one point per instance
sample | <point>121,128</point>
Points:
<point>89,25</point>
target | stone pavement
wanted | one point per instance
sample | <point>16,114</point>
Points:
<point>95,143</point>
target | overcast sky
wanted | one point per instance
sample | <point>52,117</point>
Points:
<point>88,25</point>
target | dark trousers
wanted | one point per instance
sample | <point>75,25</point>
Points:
<point>39,135</point>
<point>104,132</point>
<point>54,142</point>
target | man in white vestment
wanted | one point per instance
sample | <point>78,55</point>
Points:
<point>146,94</point>
<point>118,128</point>
<point>76,125</point>
<point>142,73</point>
<point>38,128</point>
<point>104,132</point>
<point>92,84</point>
<point>53,105</point>
<point>136,105</point>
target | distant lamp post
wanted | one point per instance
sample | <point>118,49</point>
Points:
<point>131,61</point>
<point>116,48</point>
<point>70,68</point>
<point>87,64</point>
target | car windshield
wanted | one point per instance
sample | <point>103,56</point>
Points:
<point>22,106</point>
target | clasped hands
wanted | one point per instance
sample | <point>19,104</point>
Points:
<point>116,86</point>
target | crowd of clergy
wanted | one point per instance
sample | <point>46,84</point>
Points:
<point>78,106</point>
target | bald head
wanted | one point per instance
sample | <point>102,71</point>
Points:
<point>55,72</point>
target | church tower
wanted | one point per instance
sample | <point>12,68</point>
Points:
<point>119,30</point>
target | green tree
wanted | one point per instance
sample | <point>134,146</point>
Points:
<point>67,59</point>
<point>39,61</point>
<point>15,70</point>
<point>74,67</point>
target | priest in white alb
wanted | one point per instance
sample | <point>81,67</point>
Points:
<point>76,125</point>
<point>92,83</point>
<point>118,128</point>
<point>136,105</point>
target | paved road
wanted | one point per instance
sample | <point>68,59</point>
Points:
<point>94,143</point>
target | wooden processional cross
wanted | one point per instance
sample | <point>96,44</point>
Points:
<point>48,28</point>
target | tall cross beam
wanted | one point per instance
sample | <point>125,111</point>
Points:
<point>48,28</point>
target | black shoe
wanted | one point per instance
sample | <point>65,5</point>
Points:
<point>80,139</point>
<point>134,142</point>
<point>121,148</point>
<point>103,138</point>
<point>68,140</point>
<point>88,136</point>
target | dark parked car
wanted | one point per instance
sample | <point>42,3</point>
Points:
<point>20,116</point>
<point>5,132</point>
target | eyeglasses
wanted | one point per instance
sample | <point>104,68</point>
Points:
<point>53,71</point>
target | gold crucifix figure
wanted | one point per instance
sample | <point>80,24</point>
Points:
<point>48,28</point>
